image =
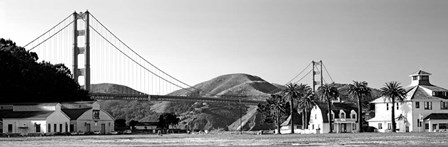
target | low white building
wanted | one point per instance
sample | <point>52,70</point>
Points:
<point>50,118</point>
<point>35,118</point>
<point>425,108</point>
<point>344,116</point>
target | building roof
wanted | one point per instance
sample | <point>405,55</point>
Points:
<point>420,72</point>
<point>336,107</point>
<point>146,124</point>
<point>26,114</point>
<point>433,88</point>
<point>74,114</point>
<point>437,116</point>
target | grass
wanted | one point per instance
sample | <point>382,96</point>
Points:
<point>227,139</point>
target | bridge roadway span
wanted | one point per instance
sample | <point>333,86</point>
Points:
<point>145,97</point>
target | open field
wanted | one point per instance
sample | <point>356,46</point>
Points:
<point>227,139</point>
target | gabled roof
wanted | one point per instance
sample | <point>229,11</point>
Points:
<point>74,114</point>
<point>26,114</point>
<point>336,108</point>
<point>433,116</point>
<point>420,72</point>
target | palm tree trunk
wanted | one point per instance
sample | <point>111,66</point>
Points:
<point>291,110</point>
<point>329,116</point>
<point>278,121</point>
<point>306,119</point>
<point>303,118</point>
<point>393,115</point>
<point>359,114</point>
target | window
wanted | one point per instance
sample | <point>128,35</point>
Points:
<point>380,125</point>
<point>55,127</point>
<point>443,105</point>
<point>424,78</point>
<point>353,116</point>
<point>428,105</point>
<point>37,128</point>
<point>342,115</point>
<point>49,128</point>
<point>417,105</point>
<point>312,127</point>
<point>419,124</point>
<point>443,126</point>
<point>96,114</point>
<point>389,126</point>
<point>9,128</point>
<point>60,127</point>
<point>426,126</point>
<point>414,78</point>
<point>315,116</point>
<point>398,106</point>
<point>387,106</point>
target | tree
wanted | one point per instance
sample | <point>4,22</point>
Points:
<point>276,106</point>
<point>166,120</point>
<point>23,79</point>
<point>393,91</point>
<point>328,93</point>
<point>291,93</point>
<point>360,91</point>
<point>132,124</point>
<point>306,103</point>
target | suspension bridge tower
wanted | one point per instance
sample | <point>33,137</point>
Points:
<point>317,71</point>
<point>84,50</point>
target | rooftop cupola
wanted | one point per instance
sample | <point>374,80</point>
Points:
<point>420,78</point>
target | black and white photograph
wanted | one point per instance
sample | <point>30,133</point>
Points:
<point>105,73</point>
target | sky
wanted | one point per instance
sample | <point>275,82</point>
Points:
<point>196,40</point>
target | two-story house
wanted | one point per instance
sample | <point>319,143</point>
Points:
<point>343,115</point>
<point>425,108</point>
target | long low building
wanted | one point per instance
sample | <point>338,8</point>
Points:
<point>51,118</point>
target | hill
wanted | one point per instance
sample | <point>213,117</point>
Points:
<point>119,109</point>
<point>207,116</point>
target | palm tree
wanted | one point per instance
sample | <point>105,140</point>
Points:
<point>360,91</point>
<point>393,91</point>
<point>291,93</point>
<point>307,102</point>
<point>328,93</point>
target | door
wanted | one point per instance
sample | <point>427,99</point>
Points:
<point>87,127</point>
<point>103,128</point>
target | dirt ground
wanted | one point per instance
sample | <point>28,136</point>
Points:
<point>229,139</point>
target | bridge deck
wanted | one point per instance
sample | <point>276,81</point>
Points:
<point>145,97</point>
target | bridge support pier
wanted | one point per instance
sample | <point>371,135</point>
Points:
<point>81,50</point>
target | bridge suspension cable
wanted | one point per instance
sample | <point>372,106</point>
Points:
<point>49,31</point>
<point>328,73</point>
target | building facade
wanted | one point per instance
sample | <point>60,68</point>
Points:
<point>424,109</point>
<point>344,117</point>
<point>52,118</point>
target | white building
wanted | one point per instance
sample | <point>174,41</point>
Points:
<point>50,118</point>
<point>344,118</point>
<point>35,118</point>
<point>88,117</point>
<point>425,108</point>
